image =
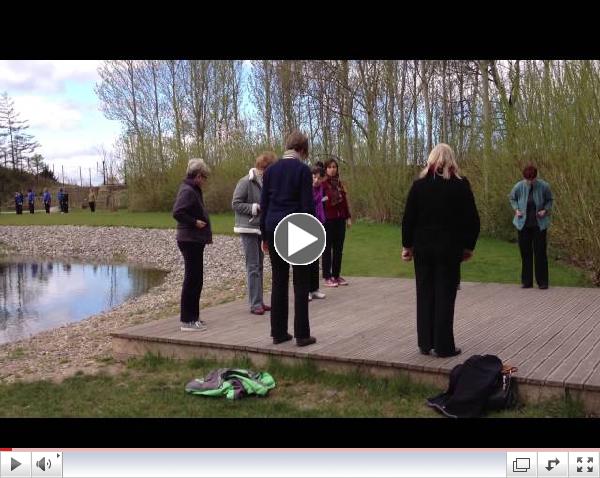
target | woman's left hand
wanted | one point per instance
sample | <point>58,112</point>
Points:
<point>541,213</point>
<point>349,223</point>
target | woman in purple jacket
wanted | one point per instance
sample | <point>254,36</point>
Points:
<point>318,174</point>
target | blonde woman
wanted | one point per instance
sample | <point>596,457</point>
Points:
<point>439,229</point>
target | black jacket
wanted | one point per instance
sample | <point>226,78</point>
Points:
<point>440,219</point>
<point>188,207</point>
<point>287,188</point>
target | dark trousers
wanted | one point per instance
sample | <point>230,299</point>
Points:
<point>334,245</point>
<point>193,257</point>
<point>47,207</point>
<point>532,244</point>
<point>436,294</point>
<point>92,206</point>
<point>314,276</point>
<point>19,208</point>
<point>279,295</point>
<point>31,208</point>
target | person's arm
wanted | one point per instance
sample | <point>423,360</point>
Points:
<point>513,197</point>
<point>548,199</point>
<point>472,225</point>
<point>409,220</point>
<point>264,206</point>
<point>180,208</point>
<point>240,196</point>
<point>349,220</point>
<point>307,204</point>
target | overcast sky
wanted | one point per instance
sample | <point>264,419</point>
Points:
<point>57,98</point>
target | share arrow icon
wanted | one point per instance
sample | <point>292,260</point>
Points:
<point>550,467</point>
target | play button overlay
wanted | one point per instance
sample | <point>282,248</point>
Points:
<point>14,464</point>
<point>299,239</point>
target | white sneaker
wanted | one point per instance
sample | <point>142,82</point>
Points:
<point>318,295</point>
<point>197,326</point>
<point>310,296</point>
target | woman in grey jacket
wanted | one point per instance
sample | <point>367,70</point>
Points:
<point>246,204</point>
<point>193,233</point>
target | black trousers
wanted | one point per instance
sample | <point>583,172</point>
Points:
<point>193,257</point>
<point>314,276</point>
<point>279,295</point>
<point>19,208</point>
<point>436,294</point>
<point>31,208</point>
<point>532,244</point>
<point>335,231</point>
<point>92,206</point>
<point>47,207</point>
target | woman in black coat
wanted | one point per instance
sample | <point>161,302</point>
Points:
<point>439,229</point>
<point>193,233</point>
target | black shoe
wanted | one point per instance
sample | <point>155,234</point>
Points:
<point>425,351</point>
<point>525,286</point>
<point>544,286</point>
<point>451,354</point>
<point>303,342</point>
<point>280,340</point>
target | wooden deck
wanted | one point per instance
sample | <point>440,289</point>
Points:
<point>552,336</point>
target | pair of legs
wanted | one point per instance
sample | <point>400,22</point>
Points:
<point>279,296</point>
<point>47,207</point>
<point>532,245</point>
<point>436,294</point>
<point>334,245</point>
<point>193,279</point>
<point>92,206</point>
<point>254,269</point>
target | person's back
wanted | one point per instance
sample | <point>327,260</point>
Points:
<point>287,186</point>
<point>444,218</point>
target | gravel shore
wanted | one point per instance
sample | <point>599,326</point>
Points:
<point>85,346</point>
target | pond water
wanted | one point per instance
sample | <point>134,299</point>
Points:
<point>41,295</point>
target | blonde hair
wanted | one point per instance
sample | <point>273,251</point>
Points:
<point>441,159</point>
<point>197,166</point>
<point>265,159</point>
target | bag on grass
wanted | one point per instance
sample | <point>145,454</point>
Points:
<point>233,383</point>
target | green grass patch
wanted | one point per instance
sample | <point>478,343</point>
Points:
<point>370,249</point>
<point>153,386</point>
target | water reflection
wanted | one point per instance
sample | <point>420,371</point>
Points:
<point>36,296</point>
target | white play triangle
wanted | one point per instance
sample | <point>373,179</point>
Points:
<point>298,239</point>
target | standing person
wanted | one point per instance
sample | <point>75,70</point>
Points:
<point>337,214</point>
<point>193,233</point>
<point>287,189</point>
<point>60,199</point>
<point>531,199</point>
<point>92,200</point>
<point>31,201</point>
<point>19,202</point>
<point>439,229</point>
<point>318,176</point>
<point>47,199</point>
<point>246,204</point>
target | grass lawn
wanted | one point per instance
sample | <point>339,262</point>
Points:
<point>369,250</point>
<point>154,387</point>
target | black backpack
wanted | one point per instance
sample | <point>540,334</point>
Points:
<point>478,385</point>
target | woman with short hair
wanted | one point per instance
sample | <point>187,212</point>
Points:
<point>193,233</point>
<point>246,204</point>
<point>531,199</point>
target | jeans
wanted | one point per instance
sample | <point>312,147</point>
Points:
<point>254,268</point>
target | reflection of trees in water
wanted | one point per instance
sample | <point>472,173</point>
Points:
<point>23,284</point>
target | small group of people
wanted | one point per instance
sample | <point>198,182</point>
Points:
<point>62,197</point>
<point>273,189</point>
<point>440,228</point>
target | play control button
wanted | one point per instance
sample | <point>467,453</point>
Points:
<point>299,239</point>
<point>14,464</point>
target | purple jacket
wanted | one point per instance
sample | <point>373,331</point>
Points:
<point>318,200</point>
